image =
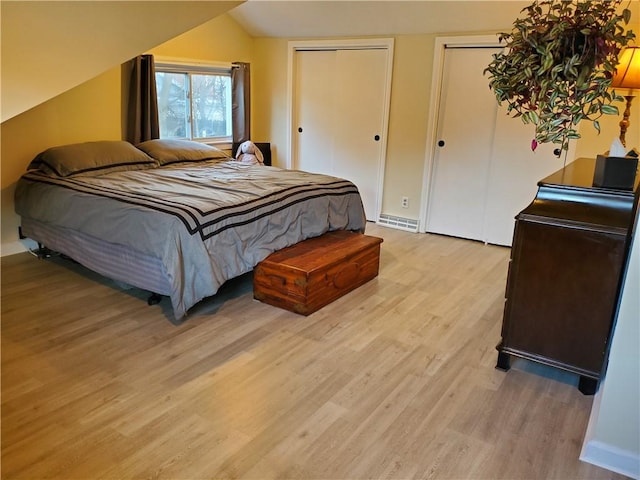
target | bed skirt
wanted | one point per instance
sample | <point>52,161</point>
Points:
<point>114,261</point>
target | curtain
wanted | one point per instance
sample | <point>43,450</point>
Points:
<point>142,119</point>
<point>241,101</point>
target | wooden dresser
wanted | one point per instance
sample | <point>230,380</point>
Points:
<point>569,248</point>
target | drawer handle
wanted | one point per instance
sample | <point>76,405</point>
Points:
<point>346,276</point>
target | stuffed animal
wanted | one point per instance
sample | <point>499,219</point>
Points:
<point>248,153</point>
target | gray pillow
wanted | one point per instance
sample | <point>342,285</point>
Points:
<point>167,152</point>
<point>92,158</point>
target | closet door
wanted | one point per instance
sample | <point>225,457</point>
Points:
<point>485,172</point>
<point>465,134</point>
<point>358,122</point>
<point>514,172</point>
<point>339,117</point>
<point>315,83</point>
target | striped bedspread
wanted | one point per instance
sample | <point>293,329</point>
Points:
<point>206,222</point>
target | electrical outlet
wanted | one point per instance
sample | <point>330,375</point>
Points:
<point>405,202</point>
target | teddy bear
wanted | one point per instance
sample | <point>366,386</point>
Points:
<point>248,153</point>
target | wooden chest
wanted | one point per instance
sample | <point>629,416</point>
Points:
<point>307,276</point>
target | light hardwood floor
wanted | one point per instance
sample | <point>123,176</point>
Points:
<point>394,380</point>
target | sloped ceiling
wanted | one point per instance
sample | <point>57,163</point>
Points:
<point>50,47</point>
<point>343,18</point>
<point>309,18</point>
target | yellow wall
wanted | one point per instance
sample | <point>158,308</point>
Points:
<point>592,143</point>
<point>270,96</point>
<point>49,47</point>
<point>409,111</point>
<point>91,111</point>
<point>94,111</point>
<point>220,39</point>
<point>411,87</point>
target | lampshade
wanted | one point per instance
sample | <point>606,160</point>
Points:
<point>628,69</point>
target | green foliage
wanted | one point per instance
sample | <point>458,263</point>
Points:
<point>558,64</point>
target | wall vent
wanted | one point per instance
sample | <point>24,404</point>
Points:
<point>398,222</point>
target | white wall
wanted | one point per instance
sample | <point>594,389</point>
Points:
<point>613,436</point>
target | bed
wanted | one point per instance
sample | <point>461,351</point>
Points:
<point>175,218</point>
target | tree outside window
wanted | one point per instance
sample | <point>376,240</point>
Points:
<point>194,105</point>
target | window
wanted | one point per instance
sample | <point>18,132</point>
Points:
<point>194,102</point>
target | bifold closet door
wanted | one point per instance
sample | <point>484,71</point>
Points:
<point>340,97</point>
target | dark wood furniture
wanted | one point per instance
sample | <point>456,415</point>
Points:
<point>311,274</point>
<point>569,249</point>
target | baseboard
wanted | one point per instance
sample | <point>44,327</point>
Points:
<point>598,453</point>
<point>612,458</point>
<point>18,246</point>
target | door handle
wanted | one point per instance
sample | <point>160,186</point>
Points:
<point>441,143</point>
<point>376,138</point>
<point>300,129</point>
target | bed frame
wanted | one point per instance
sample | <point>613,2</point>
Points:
<point>116,262</point>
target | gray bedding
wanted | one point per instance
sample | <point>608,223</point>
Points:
<point>206,222</point>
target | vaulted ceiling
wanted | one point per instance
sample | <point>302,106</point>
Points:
<point>49,47</point>
<point>311,18</point>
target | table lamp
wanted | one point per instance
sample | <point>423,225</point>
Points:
<point>627,77</point>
